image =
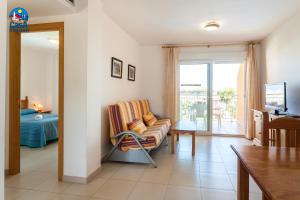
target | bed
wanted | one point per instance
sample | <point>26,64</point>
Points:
<point>35,133</point>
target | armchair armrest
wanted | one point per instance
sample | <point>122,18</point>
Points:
<point>130,133</point>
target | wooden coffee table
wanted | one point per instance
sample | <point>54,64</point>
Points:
<point>183,127</point>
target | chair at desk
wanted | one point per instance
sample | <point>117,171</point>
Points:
<point>274,130</point>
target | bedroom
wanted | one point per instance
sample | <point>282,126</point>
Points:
<point>39,102</point>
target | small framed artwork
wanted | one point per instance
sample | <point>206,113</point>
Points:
<point>131,73</point>
<point>116,67</point>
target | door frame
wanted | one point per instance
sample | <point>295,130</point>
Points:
<point>14,95</point>
<point>208,63</point>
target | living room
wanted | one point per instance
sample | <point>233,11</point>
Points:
<point>205,62</point>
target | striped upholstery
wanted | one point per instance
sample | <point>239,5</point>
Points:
<point>123,113</point>
<point>165,122</point>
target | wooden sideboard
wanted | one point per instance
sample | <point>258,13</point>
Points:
<point>258,125</point>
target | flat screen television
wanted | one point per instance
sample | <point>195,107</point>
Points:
<point>276,97</point>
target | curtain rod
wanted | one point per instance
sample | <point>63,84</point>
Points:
<point>208,45</point>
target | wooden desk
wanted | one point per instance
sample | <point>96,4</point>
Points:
<point>275,170</point>
<point>182,127</point>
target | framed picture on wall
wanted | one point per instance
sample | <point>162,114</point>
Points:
<point>131,73</point>
<point>116,68</point>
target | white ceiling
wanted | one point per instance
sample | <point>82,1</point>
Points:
<point>41,8</point>
<point>179,21</point>
<point>40,40</point>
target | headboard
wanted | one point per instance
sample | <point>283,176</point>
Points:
<point>24,103</point>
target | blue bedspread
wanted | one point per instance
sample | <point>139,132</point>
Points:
<point>36,133</point>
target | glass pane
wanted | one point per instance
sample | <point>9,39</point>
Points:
<point>193,94</point>
<point>228,98</point>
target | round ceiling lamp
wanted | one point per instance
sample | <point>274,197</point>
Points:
<point>212,26</point>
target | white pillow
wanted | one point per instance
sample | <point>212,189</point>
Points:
<point>38,117</point>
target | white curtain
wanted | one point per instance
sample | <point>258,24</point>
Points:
<point>253,89</point>
<point>171,86</point>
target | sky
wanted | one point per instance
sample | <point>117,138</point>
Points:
<point>224,75</point>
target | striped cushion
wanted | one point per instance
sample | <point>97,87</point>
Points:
<point>165,122</point>
<point>137,126</point>
<point>149,119</point>
<point>154,136</point>
<point>130,144</point>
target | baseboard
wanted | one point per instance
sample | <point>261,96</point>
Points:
<point>82,180</point>
<point>6,172</point>
<point>94,174</point>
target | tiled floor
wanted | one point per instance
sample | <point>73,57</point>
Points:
<point>210,175</point>
<point>227,127</point>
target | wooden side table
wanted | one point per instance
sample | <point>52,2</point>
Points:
<point>183,127</point>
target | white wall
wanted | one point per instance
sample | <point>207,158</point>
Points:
<point>106,40</point>
<point>3,33</point>
<point>153,62</point>
<point>52,71</point>
<point>39,77</point>
<point>280,56</point>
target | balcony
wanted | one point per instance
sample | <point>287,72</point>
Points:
<point>227,110</point>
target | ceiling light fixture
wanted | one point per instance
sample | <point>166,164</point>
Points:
<point>211,26</point>
<point>53,41</point>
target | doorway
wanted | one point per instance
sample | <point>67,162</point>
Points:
<point>212,95</point>
<point>17,101</point>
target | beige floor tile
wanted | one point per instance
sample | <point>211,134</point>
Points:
<point>216,181</point>
<point>28,195</point>
<point>108,170</point>
<point>186,166</point>
<point>131,173</point>
<point>148,191</point>
<point>70,197</point>
<point>53,185</point>
<point>115,189</point>
<point>208,157</point>
<point>211,194</point>
<point>85,189</point>
<point>28,181</point>
<point>186,155</point>
<point>180,193</point>
<point>165,162</point>
<point>13,193</point>
<point>156,175</point>
<point>185,179</point>
<point>212,167</point>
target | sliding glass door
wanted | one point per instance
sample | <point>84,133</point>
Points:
<point>212,95</point>
<point>194,94</point>
<point>228,98</point>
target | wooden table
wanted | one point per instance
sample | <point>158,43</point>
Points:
<point>183,127</point>
<point>275,170</point>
